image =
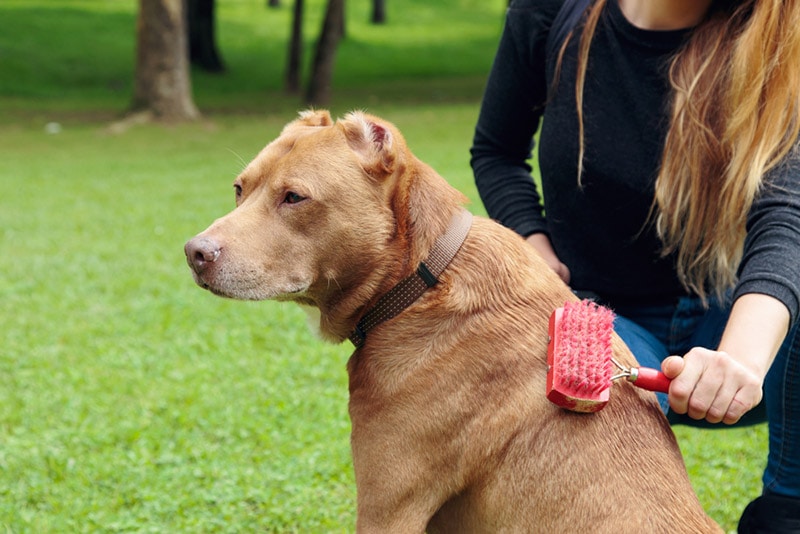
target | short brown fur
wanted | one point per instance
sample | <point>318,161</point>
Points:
<point>451,428</point>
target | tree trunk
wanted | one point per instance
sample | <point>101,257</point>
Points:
<point>378,12</point>
<point>342,21</point>
<point>163,82</point>
<point>202,42</point>
<point>295,57</point>
<point>319,87</point>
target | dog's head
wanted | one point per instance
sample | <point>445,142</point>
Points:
<point>314,217</point>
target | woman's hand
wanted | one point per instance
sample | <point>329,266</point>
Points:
<point>723,384</point>
<point>545,249</point>
<point>711,385</point>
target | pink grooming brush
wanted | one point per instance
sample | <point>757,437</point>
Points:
<point>580,363</point>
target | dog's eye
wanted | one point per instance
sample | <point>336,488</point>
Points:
<point>293,198</point>
<point>237,189</point>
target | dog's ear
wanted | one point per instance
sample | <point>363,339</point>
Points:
<point>315,117</point>
<point>373,143</point>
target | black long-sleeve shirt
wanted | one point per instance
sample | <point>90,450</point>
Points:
<point>598,229</point>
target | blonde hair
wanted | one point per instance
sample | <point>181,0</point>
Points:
<point>735,114</point>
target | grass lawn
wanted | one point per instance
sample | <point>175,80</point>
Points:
<point>133,401</point>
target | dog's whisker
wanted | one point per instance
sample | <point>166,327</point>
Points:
<point>334,280</point>
<point>242,161</point>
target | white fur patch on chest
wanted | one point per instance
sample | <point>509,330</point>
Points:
<point>312,318</point>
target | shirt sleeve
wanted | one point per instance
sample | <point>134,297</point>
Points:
<point>512,106</point>
<point>771,259</point>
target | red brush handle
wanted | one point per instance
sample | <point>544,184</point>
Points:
<point>650,379</point>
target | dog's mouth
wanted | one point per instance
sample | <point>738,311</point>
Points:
<point>252,291</point>
<point>198,279</point>
<point>216,290</point>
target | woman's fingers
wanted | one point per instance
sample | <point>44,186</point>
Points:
<point>711,385</point>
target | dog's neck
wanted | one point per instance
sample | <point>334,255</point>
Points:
<point>423,212</point>
<point>413,286</point>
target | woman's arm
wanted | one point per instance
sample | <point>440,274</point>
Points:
<point>513,103</point>
<point>723,384</point>
<point>544,247</point>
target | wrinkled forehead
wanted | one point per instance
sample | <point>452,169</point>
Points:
<point>300,150</point>
<point>281,146</point>
<point>293,134</point>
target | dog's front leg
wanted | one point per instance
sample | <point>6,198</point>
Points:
<point>391,496</point>
<point>399,486</point>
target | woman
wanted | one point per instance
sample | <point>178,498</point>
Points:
<point>671,193</point>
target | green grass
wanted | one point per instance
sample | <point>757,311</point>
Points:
<point>132,401</point>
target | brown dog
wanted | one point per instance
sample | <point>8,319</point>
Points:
<point>451,428</point>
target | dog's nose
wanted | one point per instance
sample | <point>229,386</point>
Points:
<point>200,252</point>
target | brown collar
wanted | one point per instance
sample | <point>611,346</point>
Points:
<point>412,287</point>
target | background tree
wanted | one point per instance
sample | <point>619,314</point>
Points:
<point>319,86</point>
<point>202,41</point>
<point>162,84</point>
<point>378,12</point>
<point>295,56</point>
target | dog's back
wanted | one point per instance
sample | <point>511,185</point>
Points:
<point>468,366</point>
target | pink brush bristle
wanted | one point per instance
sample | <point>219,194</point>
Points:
<point>579,356</point>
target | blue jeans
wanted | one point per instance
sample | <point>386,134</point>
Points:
<point>653,332</point>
